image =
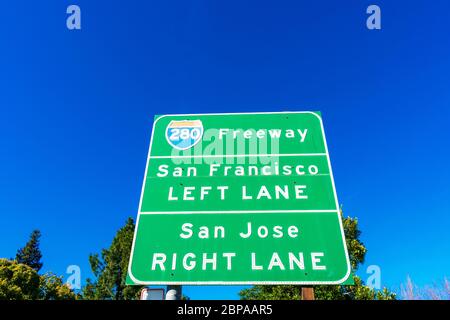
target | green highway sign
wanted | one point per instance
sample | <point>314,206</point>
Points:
<point>243,198</point>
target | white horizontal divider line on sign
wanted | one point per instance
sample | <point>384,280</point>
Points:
<point>237,211</point>
<point>241,155</point>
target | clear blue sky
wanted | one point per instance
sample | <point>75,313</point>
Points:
<point>77,109</point>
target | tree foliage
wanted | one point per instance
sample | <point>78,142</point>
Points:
<point>31,254</point>
<point>53,288</point>
<point>110,269</point>
<point>358,291</point>
<point>21,282</point>
<point>18,281</point>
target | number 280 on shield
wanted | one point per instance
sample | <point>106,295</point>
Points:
<point>184,134</point>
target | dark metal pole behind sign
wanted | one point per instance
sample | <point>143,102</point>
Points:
<point>174,293</point>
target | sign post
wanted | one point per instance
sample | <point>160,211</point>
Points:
<point>245,198</point>
<point>174,292</point>
<point>307,293</point>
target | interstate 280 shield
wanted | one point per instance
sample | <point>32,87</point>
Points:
<point>184,134</point>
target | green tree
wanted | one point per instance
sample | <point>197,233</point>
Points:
<point>21,282</point>
<point>358,291</point>
<point>110,270</point>
<point>18,281</point>
<point>53,288</point>
<point>31,254</point>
